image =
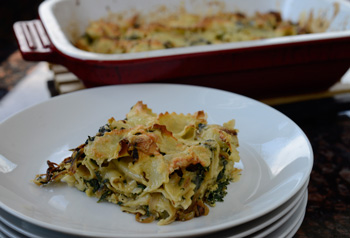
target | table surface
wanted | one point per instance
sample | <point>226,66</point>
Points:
<point>325,121</point>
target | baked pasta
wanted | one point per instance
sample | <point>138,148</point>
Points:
<point>112,36</point>
<point>161,167</point>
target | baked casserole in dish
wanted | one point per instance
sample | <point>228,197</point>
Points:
<point>257,67</point>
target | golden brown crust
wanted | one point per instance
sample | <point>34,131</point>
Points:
<point>182,30</point>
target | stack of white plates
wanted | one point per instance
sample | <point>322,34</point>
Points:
<point>268,201</point>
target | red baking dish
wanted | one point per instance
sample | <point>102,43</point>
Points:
<point>260,68</point>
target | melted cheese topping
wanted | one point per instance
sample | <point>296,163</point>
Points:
<point>158,166</point>
<point>183,30</point>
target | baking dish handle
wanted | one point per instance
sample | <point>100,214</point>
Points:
<point>34,42</point>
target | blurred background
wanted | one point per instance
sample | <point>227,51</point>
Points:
<point>10,12</point>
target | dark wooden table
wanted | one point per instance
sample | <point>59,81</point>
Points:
<point>326,123</point>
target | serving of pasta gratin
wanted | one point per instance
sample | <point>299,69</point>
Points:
<point>163,167</point>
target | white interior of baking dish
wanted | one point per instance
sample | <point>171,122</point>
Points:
<point>64,20</point>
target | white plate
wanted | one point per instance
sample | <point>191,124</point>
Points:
<point>6,231</point>
<point>273,219</point>
<point>15,227</point>
<point>274,228</point>
<point>299,221</point>
<point>291,226</point>
<point>276,159</point>
<point>263,224</point>
<point>267,222</point>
